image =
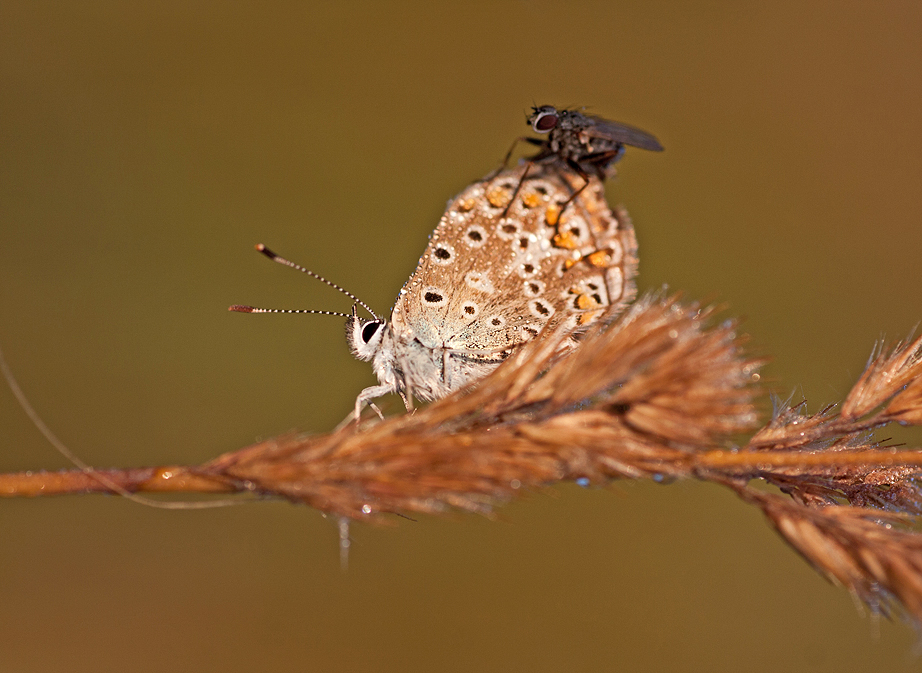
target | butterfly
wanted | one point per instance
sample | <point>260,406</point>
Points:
<point>502,264</point>
<point>490,281</point>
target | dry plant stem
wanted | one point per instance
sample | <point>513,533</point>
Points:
<point>188,479</point>
<point>659,394</point>
<point>636,399</point>
<point>750,462</point>
<point>850,519</point>
<point>654,395</point>
<point>870,553</point>
<point>134,480</point>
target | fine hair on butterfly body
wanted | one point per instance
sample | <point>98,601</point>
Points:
<point>502,264</point>
<point>582,143</point>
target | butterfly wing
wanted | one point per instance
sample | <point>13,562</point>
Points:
<point>492,277</point>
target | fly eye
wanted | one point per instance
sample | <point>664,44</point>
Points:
<point>545,121</point>
<point>368,331</point>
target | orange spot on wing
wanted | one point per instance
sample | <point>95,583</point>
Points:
<point>531,200</point>
<point>464,205</point>
<point>584,301</point>
<point>566,240</point>
<point>600,258</point>
<point>586,318</point>
<point>498,197</point>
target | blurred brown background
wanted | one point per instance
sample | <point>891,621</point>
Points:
<point>144,150</point>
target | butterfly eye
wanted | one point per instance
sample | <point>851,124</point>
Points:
<point>545,121</point>
<point>368,331</point>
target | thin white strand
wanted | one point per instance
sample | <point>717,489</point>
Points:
<point>73,458</point>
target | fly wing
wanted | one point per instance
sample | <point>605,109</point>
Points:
<point>622,133</point>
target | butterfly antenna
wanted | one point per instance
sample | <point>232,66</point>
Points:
<point>297,267</point>
<point>242,308</point>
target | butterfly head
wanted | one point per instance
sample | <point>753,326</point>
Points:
<point>364,335</point>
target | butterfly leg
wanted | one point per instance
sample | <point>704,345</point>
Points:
<point>356,414</point>
<point>366,397</point>
<point>445,357</point>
